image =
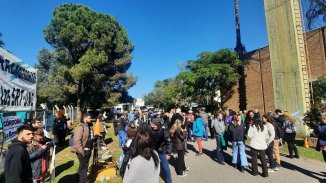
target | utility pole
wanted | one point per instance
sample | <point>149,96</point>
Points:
<point>241,50</point>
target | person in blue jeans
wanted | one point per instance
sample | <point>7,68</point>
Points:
<point>218,126</point>
<point>162,143</point>
<point>121,123</point>
<point>204,117</point>
<point>237,129</point>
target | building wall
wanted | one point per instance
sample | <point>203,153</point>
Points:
<point>259,84</point>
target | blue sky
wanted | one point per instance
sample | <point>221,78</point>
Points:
<point>166,33</point>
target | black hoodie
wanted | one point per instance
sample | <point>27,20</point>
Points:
<point>17,164</point>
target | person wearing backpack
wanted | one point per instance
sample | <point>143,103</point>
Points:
<point>83,145</point>
<point>290,133</point>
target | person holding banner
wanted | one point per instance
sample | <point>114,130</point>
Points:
<point>83,146</point>
<point>17,164</point>
<point>38,155</point>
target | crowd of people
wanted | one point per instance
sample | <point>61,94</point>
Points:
<point>168,134</point>
<point>151,140</point>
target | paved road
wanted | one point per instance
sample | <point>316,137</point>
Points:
<point>203,169</point>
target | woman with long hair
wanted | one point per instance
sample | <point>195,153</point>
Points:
<point>270,143</point>
<point>258,135</point>
<point>144,164</point>
<point>290,133</point>
<point>179,135</point>
<point>237,128</point>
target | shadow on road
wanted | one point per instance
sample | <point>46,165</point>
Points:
<point>306,172</point>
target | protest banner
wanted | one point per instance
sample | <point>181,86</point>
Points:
<point>10,125</point>
<point>17,84</point>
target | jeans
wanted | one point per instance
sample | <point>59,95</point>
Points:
<point>238,147</point>
<point>290,138</point>
<point>269,153</point>
<point>189,130</point>
<point>219,151</point>
<point>205,126</point>
<point>83,166</point>
<point>122,138</point>
<point>165,167</point>
<point>262,157</point>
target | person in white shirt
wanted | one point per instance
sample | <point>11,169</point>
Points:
<point>258,135</point>
<point>270,143</point>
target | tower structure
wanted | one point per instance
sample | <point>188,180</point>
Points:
<point>241,50</point>
<point>287,54</point>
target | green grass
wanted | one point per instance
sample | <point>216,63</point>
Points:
<point>305,153</point>
<point>67,163</point>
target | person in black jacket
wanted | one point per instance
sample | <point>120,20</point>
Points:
<point>237,129</point>
<point>179,139</point>
<point>161,141</point>
<point>17,164</point>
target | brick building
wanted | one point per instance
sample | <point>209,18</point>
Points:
<point>259,82</point>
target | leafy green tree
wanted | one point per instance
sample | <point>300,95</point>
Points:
<point>1,41</point>
<point>49,81</point>
<point>94,53</point>
<point>199,81</point>
<point>165,94</point>
<point>319,89</point>
<point>211,72</point>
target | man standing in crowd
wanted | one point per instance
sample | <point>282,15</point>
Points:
<point>204,117</point>
<point>83,145</point>
<point>190,118</point>
<point>132,116</point>
<point>121,124</point>
<point>36,124</point>
<point>161,141</point>
<point>17,164</point>
<point>320,131</point>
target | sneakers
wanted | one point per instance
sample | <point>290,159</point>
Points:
<point>199,154</point>
<point>271,170</point>
<point>278,165</point>
<point>183,175</point>
<point>242,169</point>
<point>187,168</point>
<point>297,156</point>
<point>221,162</point>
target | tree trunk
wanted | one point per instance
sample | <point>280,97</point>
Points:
<point>79,101</point>
<point>79,112</point>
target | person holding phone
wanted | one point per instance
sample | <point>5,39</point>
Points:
<point>37,155</point>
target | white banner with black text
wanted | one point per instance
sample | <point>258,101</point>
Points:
<point>17,84</point>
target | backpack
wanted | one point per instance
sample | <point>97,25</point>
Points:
<point>71,140</point>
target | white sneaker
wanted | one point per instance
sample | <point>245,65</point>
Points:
<point>275,169</point>
<point>271,170</point>
<point>183,175</point>
<point>187,168</point>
